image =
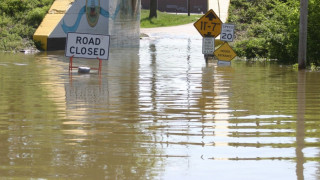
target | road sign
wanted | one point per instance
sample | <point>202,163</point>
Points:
<point>209,25</point>
<point>89,46</point>
<point>227,32</point>
<point>208,45</point>
<point>225,52</point>
<point>224,63</point>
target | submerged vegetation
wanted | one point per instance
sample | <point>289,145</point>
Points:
<point>18,22</point>
<point>270,29</point>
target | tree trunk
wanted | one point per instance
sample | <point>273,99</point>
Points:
<point>189,7</point>
<point>153,8</point>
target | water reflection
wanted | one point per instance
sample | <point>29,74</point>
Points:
<point>88,115</point>
<point>153,51</point>
<point>157,115</point>
<point>110,110</point>
<point>301,96</point>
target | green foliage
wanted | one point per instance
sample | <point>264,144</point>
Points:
<point>13,7</point>
<point>313,67</point>
<point>19,20</point>
<point>295,66</point>
<point>251,48</point>
<point>165,19</point>
<point>35,16</point>
<point>314,32</point>
<point>270,29</point>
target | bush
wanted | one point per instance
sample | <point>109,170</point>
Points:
<point>35,16</point>
<point>19,20</point>
<point>11,42</point>
<point>251,48</point>
<point>270,29</point>
<point>13,7</point>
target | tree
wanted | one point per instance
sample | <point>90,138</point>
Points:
<point>153,8</point>
<point>189,7</point>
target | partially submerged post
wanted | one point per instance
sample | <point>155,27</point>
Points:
<point>210,26</point>
<point>302,54</point>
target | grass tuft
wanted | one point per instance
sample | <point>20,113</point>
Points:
<point>166,19</point>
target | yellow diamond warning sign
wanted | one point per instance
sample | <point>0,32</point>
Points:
<point>209,25</point>
<point>225,53</point>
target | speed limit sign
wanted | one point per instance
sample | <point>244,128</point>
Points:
<point>227,32</point>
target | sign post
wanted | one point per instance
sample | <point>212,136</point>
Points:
<point>210,26</point>
<point>89,46</point>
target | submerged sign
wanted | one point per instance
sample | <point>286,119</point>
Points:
<point>89,46</point>
<point>225,52</point>
<point>208,45</point>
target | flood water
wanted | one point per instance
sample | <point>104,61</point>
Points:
<point>157,112</point>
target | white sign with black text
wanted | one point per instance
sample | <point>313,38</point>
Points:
<point>227,32</point>
<point>89,46</point>
<point>208,45</point>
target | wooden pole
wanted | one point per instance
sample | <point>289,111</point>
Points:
<point>303,32</point>
<point>219,8</point>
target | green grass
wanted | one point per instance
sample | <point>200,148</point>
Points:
<point>165,19</point>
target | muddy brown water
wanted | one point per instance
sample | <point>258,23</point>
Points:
<point>157,112</point>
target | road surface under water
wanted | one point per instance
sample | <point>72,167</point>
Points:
<point>157,112</point>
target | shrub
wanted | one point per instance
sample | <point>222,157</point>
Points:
<point>18,21</point>
<point>270,29</point>
<point>35,16</point>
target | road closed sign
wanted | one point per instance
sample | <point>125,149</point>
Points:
<point>89,46</point>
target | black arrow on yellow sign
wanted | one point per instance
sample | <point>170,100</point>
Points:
<point>211,16</point>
